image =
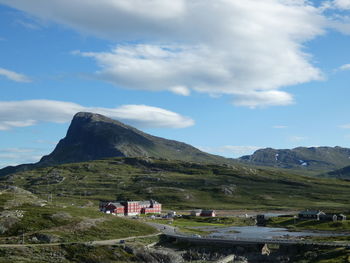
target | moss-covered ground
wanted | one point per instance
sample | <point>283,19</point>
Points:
<point>181,185</point>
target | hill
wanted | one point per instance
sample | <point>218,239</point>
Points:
<point>343,173</point>
<point>312,159</point>
<point>94,136</point>
<point>182,185</point>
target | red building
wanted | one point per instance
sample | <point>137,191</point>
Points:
<point>208,213</point>
<point>130,208</point>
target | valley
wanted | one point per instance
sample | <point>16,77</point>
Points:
<point>52,205</point>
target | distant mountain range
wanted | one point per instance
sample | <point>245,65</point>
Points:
<point>93,136</point>
<point>315,159</point>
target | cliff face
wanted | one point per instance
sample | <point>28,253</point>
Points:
<point>93,136</point>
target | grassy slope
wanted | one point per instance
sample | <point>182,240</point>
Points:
<point>66,223</point>
<point>180,185</point>
<point>309,224</point>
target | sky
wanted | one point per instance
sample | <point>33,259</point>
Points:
<point>226,76</point>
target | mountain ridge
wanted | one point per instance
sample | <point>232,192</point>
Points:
<point>92,136</point>
<point>301,158</point>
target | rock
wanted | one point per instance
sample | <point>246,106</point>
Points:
<point>228,190</point>
<point>93,136</point>
<point>61,216</point>
<point>46,238</point>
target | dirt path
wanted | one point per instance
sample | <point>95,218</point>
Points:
<point>91,243</point>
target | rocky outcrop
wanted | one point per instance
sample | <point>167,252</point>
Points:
<point>93,136</point>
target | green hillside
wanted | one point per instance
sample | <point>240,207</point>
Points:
<point>343,173</point>
<point>26,217</point>
<point>310,160</point>
<point>182,185</point>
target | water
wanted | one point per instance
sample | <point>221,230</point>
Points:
<point>261,232</point>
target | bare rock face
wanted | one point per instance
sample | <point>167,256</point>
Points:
<point>93,136</point>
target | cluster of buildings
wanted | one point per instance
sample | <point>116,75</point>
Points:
<point>130,208</point>
<point>320,216</point>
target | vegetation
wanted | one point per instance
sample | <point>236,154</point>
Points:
<point>59,204</point>
<point>181,185</point>
<point>311,160</point>
<point>26,218</point>
<point>296,224</point>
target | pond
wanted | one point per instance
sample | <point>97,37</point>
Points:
<point>261,232</point>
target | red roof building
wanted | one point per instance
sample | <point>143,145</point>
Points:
<point>130,208</point>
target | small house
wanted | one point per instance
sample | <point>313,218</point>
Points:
<point>341,217</point>
<point>114,208</point>
<point>328,217</point>
<point>208,213</point>
<point>171,214</point>
<point>196,212</point>
<point>261,219</point>
<point>311,215</point>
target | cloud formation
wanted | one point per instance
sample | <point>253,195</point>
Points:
<point>11,75</point>
<point>16,156</point>
<point>232,151</point>
<point>15,114</point>
<point>297,138</point>
<point>345,126</point>
<point>247,49</point>
<point>344,67</point>
<point>336,4</point>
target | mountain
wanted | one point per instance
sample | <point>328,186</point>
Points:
<point>301,158</point>
<point>93,136</point>
<point>343,173</point>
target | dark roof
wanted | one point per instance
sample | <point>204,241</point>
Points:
<point>116,204</point>
<point>207,211</point>
<point>311,212</point>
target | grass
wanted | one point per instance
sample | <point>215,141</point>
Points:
<point>290,223</point>
<point>181,185</point>
<point>67,224</point>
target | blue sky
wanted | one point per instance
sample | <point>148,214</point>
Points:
<point>228,76</point>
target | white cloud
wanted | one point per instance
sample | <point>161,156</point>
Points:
<point>249,49</point>
<point>28,25</point>
<point>345,126</point>
<point>344,67</point>
<point>27,113</point>
<point>280,127</point>
<point>263,98</point>
<point>297,138</point>
<point>16,150</point>
<point>335,4</point>
<point>232,151</point>
<point>181,90</point>
<point>11,75</point>
<point>15,156</point>
<point>342,4</point>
